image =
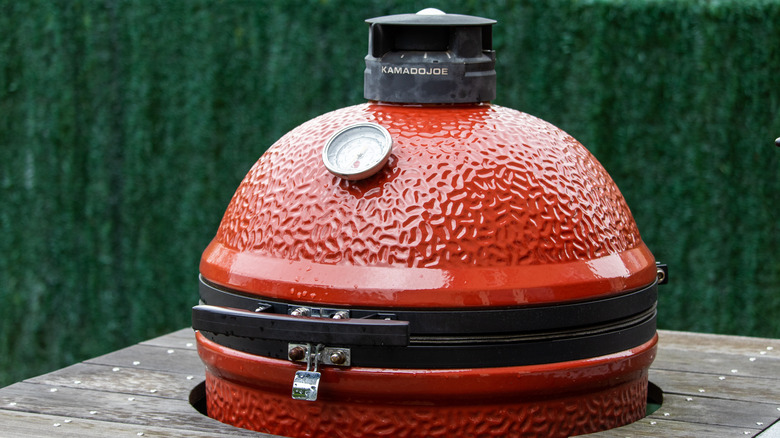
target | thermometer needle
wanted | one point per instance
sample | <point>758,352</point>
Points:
<point>359,156</point>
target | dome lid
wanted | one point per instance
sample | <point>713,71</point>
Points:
<point>478,206</point>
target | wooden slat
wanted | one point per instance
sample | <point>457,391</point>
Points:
<point>185,361</point>
<point>180,339</point>
<point>14,424</point>
<point>717,412</point>
<point>658,428</point>
<point>720,364</point>
<point>139,410</point>
<point>719,344</point>
<point>125,380</point>
<point>750,389</point>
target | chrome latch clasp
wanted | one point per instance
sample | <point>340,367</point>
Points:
<point>307,383</point>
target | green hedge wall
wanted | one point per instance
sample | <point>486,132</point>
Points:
<point>125,127</point>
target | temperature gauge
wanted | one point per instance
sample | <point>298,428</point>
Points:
<point>357,151</point>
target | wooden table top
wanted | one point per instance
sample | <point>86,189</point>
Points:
<point>714,386</point>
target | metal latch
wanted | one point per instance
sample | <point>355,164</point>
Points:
<point>338,356</point>
<point>307,383</point>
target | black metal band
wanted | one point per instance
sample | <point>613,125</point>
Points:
<point>455,322</point>
<point>477,355</point>
<point>245,324</point>
<point>436,339</point>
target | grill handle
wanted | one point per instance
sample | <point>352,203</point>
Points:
<point>245,324</point>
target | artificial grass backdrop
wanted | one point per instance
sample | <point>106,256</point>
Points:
<point>125,127</point>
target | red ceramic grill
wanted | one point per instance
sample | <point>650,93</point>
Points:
<point>427,264</point>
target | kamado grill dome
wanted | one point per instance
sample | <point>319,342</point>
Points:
<point>427,264</point>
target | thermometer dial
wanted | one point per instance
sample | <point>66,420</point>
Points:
<point>357,151</point>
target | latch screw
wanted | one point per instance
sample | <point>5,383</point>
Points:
<point>297,353</point>
<point>338,357</point>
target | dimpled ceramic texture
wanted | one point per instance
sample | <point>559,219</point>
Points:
<point>560,417</point>
<point>485,186</point>
<point>553,400</point>
<point>479,206</point>
<point>482,197</point>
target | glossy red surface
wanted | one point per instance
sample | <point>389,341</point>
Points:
<point>479,206</point>
<point>555,400</point>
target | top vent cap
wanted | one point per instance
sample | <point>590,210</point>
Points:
<point>430,58</point>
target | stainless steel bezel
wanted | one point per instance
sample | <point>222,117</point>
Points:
<point>384,144</point>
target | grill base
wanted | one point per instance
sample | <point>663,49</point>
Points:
<point>557,400</point>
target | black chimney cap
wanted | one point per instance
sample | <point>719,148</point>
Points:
<point>430,57</point>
